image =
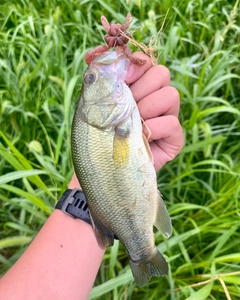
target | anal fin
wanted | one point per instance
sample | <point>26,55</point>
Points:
<point>103,236</point>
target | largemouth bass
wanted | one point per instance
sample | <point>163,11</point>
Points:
<point>114,165</point>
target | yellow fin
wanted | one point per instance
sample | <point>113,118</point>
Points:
<point>149,152</point>
<point>120,150</point>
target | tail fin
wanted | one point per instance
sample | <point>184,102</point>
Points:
<point>144,270</point>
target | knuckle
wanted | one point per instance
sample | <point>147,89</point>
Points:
<point>174,98</point>
<point>174,94</point>
<point>177,130</point>
<point>162,72</point>
<point>175,124</point>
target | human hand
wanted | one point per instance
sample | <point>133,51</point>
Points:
<point>159,105</point>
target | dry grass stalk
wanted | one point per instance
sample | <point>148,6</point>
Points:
<point>150,49</point>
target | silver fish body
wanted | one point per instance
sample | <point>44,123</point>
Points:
<point>113,163</point>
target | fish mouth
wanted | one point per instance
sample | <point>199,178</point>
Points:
<point>112,62</point>
<point>108,58</point>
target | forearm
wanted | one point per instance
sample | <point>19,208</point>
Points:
<point>61,263</point>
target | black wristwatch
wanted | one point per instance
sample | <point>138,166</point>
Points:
<point>74,204</point>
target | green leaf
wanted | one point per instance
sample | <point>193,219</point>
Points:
<point>32,198</point>
<point>201,294</point>
<point>111,284</point>
<point>202,144</point>
<point>20,162</point>
<point>218,82</point>
<point>218,109</point>
<point>19,175</point>
<point>14,241</point>
<point>183,71</point>
<point>234,279</point>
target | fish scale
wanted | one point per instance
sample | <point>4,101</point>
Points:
<point>113,163</point>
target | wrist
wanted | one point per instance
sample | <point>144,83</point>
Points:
<point>74,183</point>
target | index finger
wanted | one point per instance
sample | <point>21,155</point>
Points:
<point>135,72</point>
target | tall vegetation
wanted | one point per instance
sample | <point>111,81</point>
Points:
<point>42,49</point>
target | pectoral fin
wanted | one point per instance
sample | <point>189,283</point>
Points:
<point>120,151</point>
<point>121,145</point>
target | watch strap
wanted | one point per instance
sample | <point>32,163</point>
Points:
<point>74,204</point>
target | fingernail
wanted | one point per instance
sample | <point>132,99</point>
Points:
<point>130,73</point>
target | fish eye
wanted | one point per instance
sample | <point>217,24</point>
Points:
<point>89,78</point>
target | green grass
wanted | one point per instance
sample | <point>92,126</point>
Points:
<point>42,49</point>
